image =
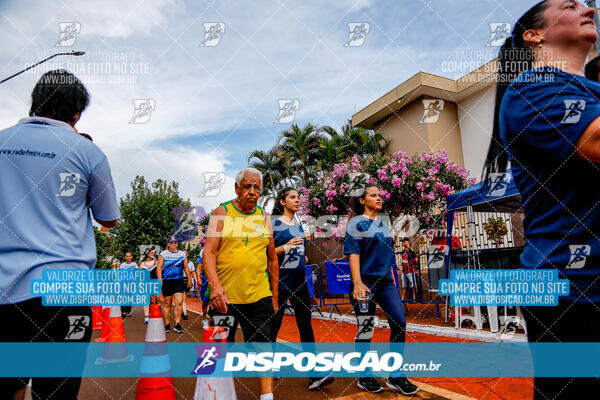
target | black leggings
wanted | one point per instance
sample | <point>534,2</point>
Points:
<point>300,301</point>
<point>567,322</point>
<point>30,321</point>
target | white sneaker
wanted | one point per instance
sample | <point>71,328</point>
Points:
<point>205,324</point>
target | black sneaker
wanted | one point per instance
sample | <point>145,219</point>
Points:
<point>185,317</point>
<point>318,383</point>
<point>402,384</point>
<point>369,384</point>
<point>178,328</point>
<point>167,328</point>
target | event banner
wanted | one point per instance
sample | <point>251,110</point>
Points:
<point>301,360</point>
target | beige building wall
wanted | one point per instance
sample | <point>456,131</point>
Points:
<point>406,133</point>
<point>476,117</point>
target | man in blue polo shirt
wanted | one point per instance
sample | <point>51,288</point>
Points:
<point>52,178</point>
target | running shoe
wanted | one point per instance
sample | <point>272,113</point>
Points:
<point>185,317</point>
<point>403,385</point>
<point>318,383</point>
<point>178,328</point>
<point>167,328</point>
<point>146,319</point>
<point>205,324</point>
<point>369,384</point>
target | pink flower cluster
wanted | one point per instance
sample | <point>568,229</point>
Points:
<point>408,185</point>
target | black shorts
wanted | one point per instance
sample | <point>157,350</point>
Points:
<point>172,286</point>
<point>255,319</point>
<point>31,321</point>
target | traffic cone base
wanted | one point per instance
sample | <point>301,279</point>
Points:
<point>115,349</point>
<point>154,382</point>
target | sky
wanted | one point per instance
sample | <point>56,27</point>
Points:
<point>212,102</point>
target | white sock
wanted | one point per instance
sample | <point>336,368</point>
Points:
<point>266,396</point>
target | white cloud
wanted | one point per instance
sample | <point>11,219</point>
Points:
<point>182,165</point>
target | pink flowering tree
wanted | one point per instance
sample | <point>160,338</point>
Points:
<point>410,186</point>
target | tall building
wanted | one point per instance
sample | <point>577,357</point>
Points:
<point>429,113</point>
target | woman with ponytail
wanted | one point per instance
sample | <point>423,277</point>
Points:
<point>290,248</point>
<point>547,125</point>
<point>369,245</point>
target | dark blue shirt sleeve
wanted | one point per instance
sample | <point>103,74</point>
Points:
<point>352,239</point>
<point>549,117</point>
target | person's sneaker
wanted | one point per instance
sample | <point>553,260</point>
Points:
<point>146,319</point>
<point>178,328</point>
<point>369,384</point>
<point>318,383</point>
<point>205,324</point>
<point>185,317</point>
<point>402,384</point>
<point>167,328</point>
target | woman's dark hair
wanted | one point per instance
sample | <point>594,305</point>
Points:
<point>59,95</point>
<point>281,196</point>
<point>356,208</point>
<point>515,57</point>
<point>147,253</point>
<point>592,69</point>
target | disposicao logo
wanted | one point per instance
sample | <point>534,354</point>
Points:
<point>207,359</point>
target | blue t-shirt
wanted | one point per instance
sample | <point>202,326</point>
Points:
<point>540,124</point>
<point>372,240</point>
<point>173,264</point>
<point>292,263</point>
<point>51,179</point>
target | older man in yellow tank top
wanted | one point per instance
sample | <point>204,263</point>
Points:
<point>241,266</point>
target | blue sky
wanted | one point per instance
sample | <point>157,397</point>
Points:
<point>214,105</point>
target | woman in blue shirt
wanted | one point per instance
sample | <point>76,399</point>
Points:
<point>547,125</point>
<point>369,245</point>
<point>290,248</point>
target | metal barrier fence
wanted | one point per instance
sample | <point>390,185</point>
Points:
<point>329,285</point>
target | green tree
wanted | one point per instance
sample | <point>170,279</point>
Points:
<point>103,248</point>
<point>302,155</point>
<point>301,146</point>
<point>146,216</point>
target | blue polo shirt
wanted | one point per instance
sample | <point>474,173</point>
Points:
<point>51,179</point>
<point>292,263</point>
<point>542,116</point>
<point>372,240</point>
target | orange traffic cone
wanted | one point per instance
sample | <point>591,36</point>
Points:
<point>115,349</point>
<point>153,384</point>
<point>104,331</point>
<point>214,388</point>
<point>97,317</point>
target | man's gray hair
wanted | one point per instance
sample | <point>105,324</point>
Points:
<point>240,175</point>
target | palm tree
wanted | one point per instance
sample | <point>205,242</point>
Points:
<point>333,148</point>
<point>365,141</point>
<point>270,164</point>
<point>301,146</point>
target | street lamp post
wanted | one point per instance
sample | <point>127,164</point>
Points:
<point>73,53</point>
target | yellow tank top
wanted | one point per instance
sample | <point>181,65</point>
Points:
<point>242,255</point>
